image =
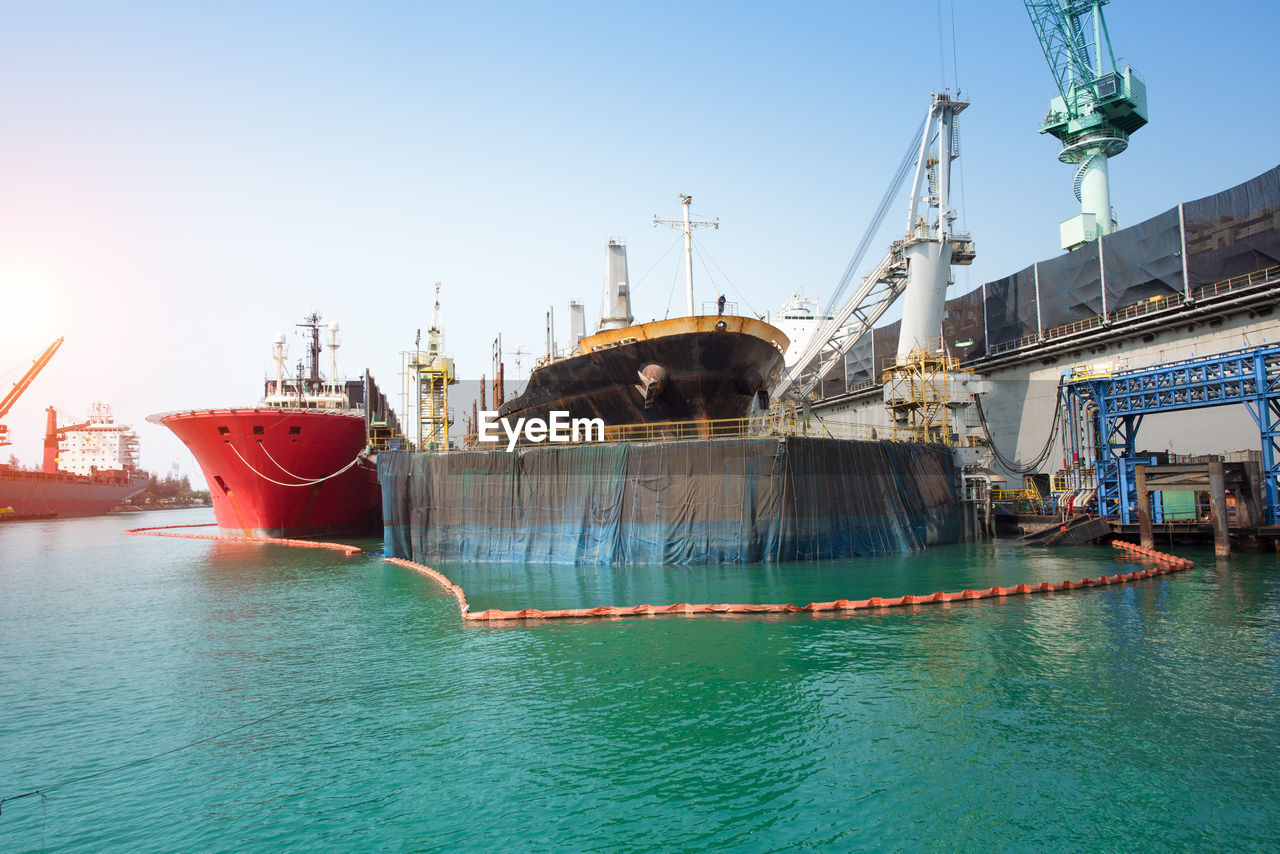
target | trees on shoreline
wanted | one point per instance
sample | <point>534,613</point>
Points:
<point>169,490</point>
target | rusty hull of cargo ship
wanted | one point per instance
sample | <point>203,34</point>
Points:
<point>280,472</point>
<point>696,368</point>
<point>48,495</point>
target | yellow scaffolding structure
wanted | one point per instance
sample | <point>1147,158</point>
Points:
<point>918,394</point>
<point>432,373</point>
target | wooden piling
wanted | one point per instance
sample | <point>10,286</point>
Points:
<point>1218,509</point>
<point>1146,537</point>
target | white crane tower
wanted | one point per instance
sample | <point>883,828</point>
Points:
<point>928,245</point>
<point>918,263</point>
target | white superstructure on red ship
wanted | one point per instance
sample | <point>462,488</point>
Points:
<point>299,462</point>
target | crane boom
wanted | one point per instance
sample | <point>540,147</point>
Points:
<point>847,326</point>
<point>929,221</point>
<point>23,384</point>
<point>1096,109</point>
<point>1059,27</point>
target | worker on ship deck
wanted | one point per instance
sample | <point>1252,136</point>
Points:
<point>720,304</point>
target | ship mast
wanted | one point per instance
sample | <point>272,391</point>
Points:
<point>312,322</point>
<point>278,353</point>
<point>687,225</point>
<point>335,342</point>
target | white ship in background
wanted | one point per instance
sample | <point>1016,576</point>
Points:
<point>97,445</point>
<point>800,318</point>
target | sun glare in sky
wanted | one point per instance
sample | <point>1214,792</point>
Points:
<point>26,303</point>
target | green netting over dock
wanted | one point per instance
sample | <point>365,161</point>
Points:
<point>712,501</point>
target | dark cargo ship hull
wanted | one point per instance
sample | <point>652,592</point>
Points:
<point>691,376</point>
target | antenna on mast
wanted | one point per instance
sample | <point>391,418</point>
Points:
<point>687,225</point>
<point>434,335</point>
<point>335,341</point>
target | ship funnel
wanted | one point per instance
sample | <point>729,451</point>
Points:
<point>617,290</point>
<point>551,332</point>
<point>277,353</point>
<point>577,325</point>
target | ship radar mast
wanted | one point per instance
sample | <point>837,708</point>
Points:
<point>307,390</point>
<point>312,322</point>
<point>278,352</point>
<point>335,341</point>
<point>435,342</point>
<point>687,225</point>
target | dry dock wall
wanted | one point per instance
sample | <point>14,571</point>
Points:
<point>698,502</point>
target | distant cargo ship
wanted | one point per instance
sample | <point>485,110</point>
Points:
<point>298,463</point>
<point>88,468</point>
<point>44,495</point>
<point>702,367</point>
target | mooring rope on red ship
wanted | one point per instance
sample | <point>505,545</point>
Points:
<point>306,481</point>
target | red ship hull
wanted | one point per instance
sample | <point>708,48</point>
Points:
<point>41,495</point>
<point>284,472</point>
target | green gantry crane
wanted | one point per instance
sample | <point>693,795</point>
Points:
<point>1096,109</point>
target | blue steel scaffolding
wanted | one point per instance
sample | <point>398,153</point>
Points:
<point>1114,404</point>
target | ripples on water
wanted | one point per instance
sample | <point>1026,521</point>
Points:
<point>1140,716</point>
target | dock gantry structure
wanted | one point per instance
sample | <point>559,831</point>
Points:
<point>1111,406</point>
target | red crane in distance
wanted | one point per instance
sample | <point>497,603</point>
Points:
<point>21,386</point>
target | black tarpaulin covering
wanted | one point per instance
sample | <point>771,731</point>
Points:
<point>1228,234</point>
<point>1143,261</point>
<point>716,501</point>
<point>1070,287</point>
<point>1234,232</point>
<point>962,323</point>
<point>1011,308</point>
<point>885,342</point>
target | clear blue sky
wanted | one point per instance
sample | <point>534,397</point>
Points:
<point>181,181</point>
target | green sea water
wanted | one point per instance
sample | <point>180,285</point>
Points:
<point>287,699</point>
